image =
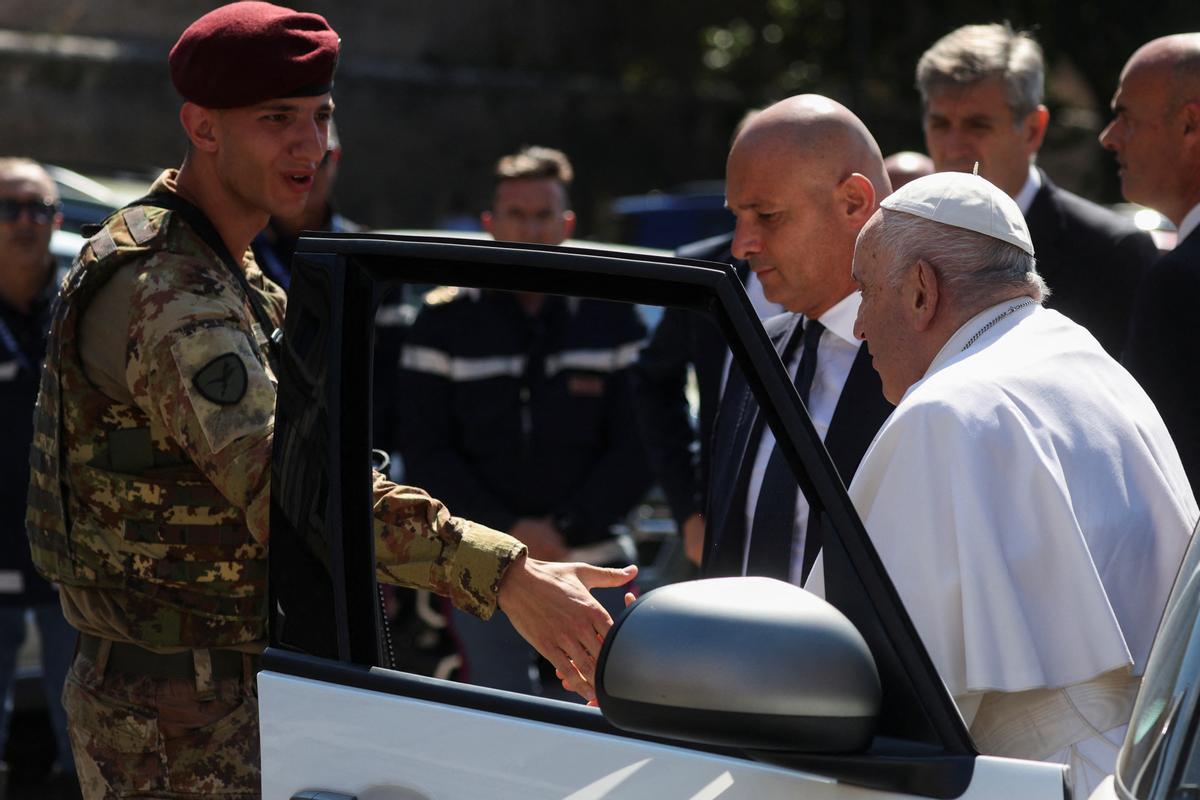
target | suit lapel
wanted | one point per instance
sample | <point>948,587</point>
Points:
<point>860,411</point>
<point>733,460</point>
<point>1045,224</point>
<point>750,414</point>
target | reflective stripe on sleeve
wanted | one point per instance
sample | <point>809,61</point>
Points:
<point>442,364</point>
<point>599,360</point>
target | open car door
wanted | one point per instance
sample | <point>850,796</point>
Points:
<point>337,723</point>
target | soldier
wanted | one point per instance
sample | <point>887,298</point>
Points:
<point>150,487</point>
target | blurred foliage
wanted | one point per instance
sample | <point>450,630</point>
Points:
<point>864,53</point>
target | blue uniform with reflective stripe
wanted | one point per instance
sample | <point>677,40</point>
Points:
<point>506,415</point>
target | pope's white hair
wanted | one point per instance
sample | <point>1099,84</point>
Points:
<point>973,268</point>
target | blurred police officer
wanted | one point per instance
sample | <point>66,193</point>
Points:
<point>516,409</point>
<point>273,249</point>
<point>274,246</point>
<point>29,215</point>
<point>150,490</point>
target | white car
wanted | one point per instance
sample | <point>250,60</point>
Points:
<point>733,688</point>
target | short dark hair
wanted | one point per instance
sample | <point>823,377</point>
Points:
<point>535,162</point>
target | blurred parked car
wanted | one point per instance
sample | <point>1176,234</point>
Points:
<point>1147,219</point>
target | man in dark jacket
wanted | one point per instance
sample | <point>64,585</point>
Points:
<point>1155,134</point>
<point>517,408</point>
<point>29,214</point>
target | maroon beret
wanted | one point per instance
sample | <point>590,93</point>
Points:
<point>244,53</point>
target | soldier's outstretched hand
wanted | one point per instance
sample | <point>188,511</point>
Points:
<point>551,605</point>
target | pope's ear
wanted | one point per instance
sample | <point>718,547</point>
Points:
<point>922,293</point>
<point>199,124</point>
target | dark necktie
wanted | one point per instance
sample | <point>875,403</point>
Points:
<point>775,513</point>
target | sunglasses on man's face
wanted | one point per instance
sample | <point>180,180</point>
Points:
<point>39,211</point>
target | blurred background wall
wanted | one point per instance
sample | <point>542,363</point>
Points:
<point>641,95</point>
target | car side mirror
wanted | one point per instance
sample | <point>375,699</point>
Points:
<point>751,663</point>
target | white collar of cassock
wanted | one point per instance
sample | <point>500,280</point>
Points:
<point>952,351</point>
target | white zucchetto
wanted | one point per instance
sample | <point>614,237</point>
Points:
<point>964,201</point>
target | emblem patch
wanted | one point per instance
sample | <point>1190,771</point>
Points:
<point>222,380</point>
<point>585,385</point>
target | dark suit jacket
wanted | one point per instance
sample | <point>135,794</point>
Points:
<point>860,412</point>
<point>1163,350</point>
<point>682,338</point>
<point>1092,259</point>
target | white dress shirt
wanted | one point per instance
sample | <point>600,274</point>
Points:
<point>1024,198</point>
<point>1190,222</point>
<point>836,352</point>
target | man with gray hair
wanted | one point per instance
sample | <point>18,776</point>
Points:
<point>1025,495</point>
<point>1155,134</point>
<point>981,92</point>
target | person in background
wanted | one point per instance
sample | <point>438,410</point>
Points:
<point>1155,133</point>
<point>981,92</point>
<point>516,407</point>
<point>802,178</point>
<point>273,250</point>
<point>906,166</point>
<point>679,451</point>
<point>29,215</point>
<point>274,246</point>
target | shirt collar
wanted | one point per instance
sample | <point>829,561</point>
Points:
<point>840,319</point>
<point>1033,183</point>
<point>1190,222</point>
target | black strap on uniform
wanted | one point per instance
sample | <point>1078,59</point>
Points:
<point>202,225</point>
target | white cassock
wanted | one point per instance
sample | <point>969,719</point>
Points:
<point>1032,511</point>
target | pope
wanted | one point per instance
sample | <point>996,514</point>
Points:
<point>1025,495</point>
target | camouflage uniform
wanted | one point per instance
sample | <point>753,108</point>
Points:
<point>150,509</point>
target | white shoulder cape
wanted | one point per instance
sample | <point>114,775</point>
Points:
<point>1029,505</point>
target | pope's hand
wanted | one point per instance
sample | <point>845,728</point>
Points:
<point>551,606</point>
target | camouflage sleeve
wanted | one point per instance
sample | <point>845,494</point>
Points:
<point>195,364</point>
<point>463,560</point>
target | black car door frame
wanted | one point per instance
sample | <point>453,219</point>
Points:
<point>322,590</point>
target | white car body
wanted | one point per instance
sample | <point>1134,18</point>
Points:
<point>321,737</point>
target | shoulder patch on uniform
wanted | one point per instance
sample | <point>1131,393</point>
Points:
<point>102,244</point>
<point>141,228</point>
<point>222,380</point>
<point>441,295</point>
